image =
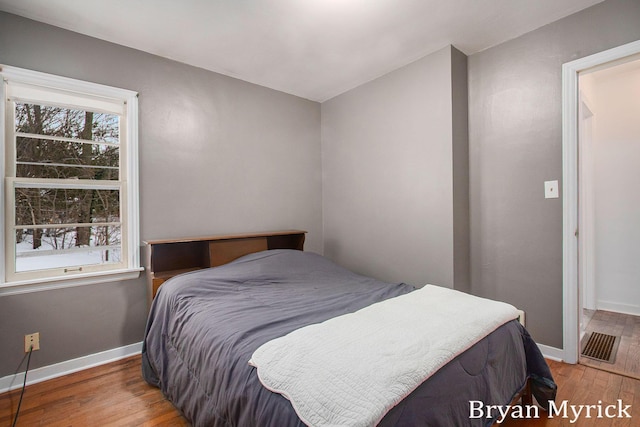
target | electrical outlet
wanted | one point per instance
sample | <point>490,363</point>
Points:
<point>32,340</point>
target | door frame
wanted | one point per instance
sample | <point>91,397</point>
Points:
<point>586,209</point>
<point>570,100</point>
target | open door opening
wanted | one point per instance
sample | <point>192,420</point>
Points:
<point>573,297</point>
<point>608,212</point>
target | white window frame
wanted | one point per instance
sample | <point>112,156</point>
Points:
<point>11,283</point>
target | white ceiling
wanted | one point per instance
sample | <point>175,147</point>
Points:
<point>315,49</point>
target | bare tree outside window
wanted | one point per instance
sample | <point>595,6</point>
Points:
<point>70,165</point>
<point>54,142</point>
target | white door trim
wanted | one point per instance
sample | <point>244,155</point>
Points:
<point>570,72</point>
<point>586,260</point>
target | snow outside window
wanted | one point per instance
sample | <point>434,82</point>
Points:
<point>70,168</point>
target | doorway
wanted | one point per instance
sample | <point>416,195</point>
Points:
<point>609,209</point>
<point>572,233</point>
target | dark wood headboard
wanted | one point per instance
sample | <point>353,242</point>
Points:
<point>170,257</point>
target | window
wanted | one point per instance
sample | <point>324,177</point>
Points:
<point>70,190</point>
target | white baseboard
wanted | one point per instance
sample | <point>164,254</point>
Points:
<point>69,366</point>
<point>619,307</point>
<point>551,352</point>
<point>37,375</point>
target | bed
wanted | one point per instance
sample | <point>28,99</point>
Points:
<point>205,325</point>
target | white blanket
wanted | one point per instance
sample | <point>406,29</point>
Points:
<point>352,369</point>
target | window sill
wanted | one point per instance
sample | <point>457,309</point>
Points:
<point>27,286</point>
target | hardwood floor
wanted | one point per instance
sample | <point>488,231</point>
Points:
<point>110,395</point>
<point>116,395</point>
<point>627,360</point>
<point>582,385</point>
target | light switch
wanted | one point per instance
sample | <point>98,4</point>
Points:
<point>551,190</point>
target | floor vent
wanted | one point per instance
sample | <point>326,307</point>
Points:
<point>601,347</point>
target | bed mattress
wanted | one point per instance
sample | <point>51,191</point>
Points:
<point>204,326</point>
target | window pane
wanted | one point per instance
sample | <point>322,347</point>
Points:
<point>42,206</point>
<point>42,158</point>
<point>39,249</point>
<point>67,123</point>
<point>66,187</point>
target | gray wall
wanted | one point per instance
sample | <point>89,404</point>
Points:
<point>387,159</point>
<point>217,155</point>
<point>515,144</point>
<point>460,153</point>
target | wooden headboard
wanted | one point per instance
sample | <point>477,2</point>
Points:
<point>170,257</point>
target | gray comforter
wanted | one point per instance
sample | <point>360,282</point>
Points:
<point>204,326</point>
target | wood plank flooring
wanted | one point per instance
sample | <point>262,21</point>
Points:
<point>110,395</point>
<point>627,360</point>
<point>582,385</point>
<point>116,395</point>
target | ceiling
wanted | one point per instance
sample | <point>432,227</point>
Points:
<point>315,49</point>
